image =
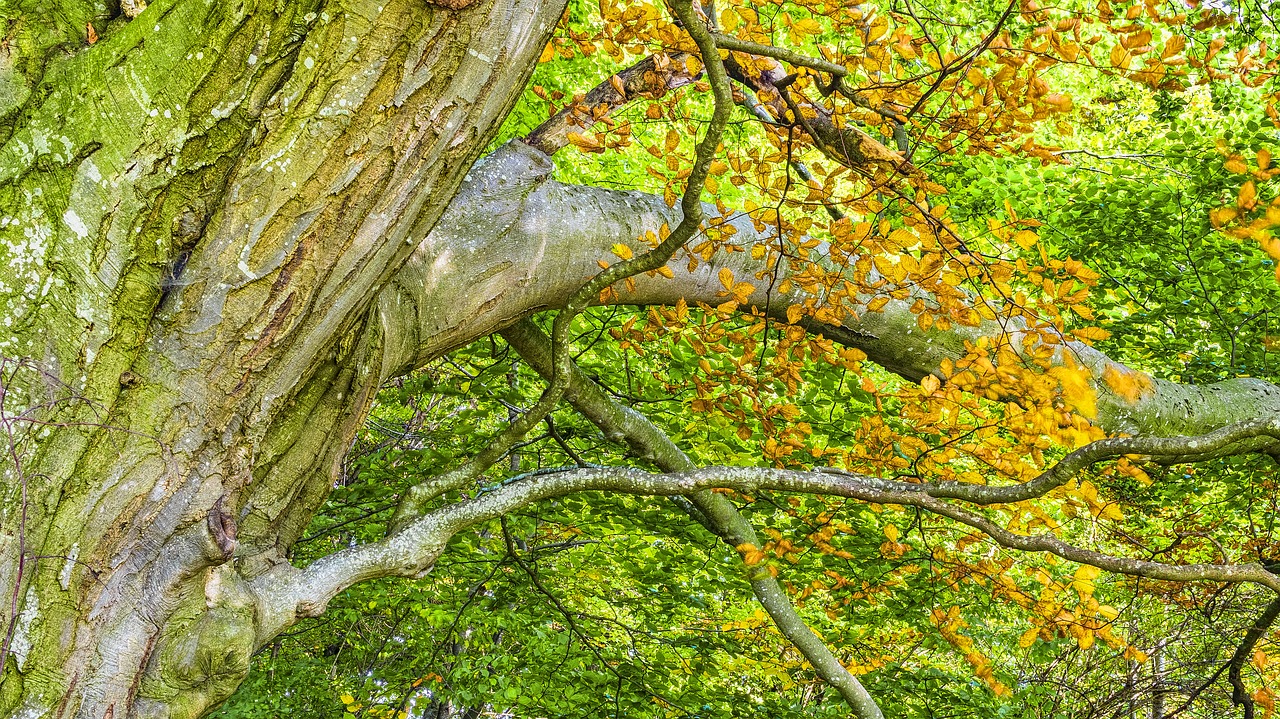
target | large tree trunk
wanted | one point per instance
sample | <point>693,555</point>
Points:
<point>225,226</point>
<point>197,212</point>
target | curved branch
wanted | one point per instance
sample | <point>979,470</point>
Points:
<point>1239,694</point>
<point>1232,439</point>
<point>414,549</point>
<point>582,296</point>
<point>514,241</point>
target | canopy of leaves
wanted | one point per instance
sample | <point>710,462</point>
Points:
<point>1099,172</point>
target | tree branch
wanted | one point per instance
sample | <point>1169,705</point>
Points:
<point>1239,694</point>
<point>590,292</point>
<point>622,423</point>
<point>541,239</point>
<point>413,550</point>
<point>651,77</point>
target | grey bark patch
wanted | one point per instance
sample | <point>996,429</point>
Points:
<point>133,8</point>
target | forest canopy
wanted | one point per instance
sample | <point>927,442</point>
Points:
<point>1090,174</point>
<point>790,358</point>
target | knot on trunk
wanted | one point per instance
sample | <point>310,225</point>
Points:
<point>198,664</point>
<point>222,527</point>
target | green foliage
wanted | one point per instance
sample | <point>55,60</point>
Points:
<point>598,605</point>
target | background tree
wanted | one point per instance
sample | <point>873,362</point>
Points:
<point>229,224</point>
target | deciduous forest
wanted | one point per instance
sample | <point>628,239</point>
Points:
<point>452,359</point>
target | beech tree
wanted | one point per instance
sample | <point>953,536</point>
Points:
<point>228,224</point>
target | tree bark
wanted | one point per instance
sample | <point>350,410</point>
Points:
<point>542,238</point>
<point>199,209</point>
<point>226,226</point>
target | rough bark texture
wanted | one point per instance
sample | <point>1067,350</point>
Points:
<point>197,212</point>
<point>222,227</point>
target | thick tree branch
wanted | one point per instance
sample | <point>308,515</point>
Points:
<point>514,241</point>
<point>581,297</point>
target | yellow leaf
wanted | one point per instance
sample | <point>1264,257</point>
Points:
<point>1236,164</point>
<point>1088,572</point>
<point>346,699</point>
<point>1029,637</point>
<point>891,533</point>
<point>1076,391</point>
<point>1026,239</point>
<point>794,313</point>
<point>673,141</point>
<point>622,251</point>
<point>930,384</point>
<point>1248,196</point>
<point>903,238</point>
<point>726,278</point>
<point>1092,334</point>
<point>1085,638</point>
<point>1264,159</point>
<point>807,26</point>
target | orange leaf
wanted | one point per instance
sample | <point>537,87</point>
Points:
<point>672,141</point>
<point>584,143</point>
<point>1120,57</point>
<point>1131,386</point>
<point>1248,196</point>
<point>1236,164</point>
<point>726,278</point>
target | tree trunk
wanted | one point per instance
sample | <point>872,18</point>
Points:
<point>198,210</point>
<point>224,226</point>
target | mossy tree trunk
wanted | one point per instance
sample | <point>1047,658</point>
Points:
<point>196,212</point>
<point>224,226</point>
